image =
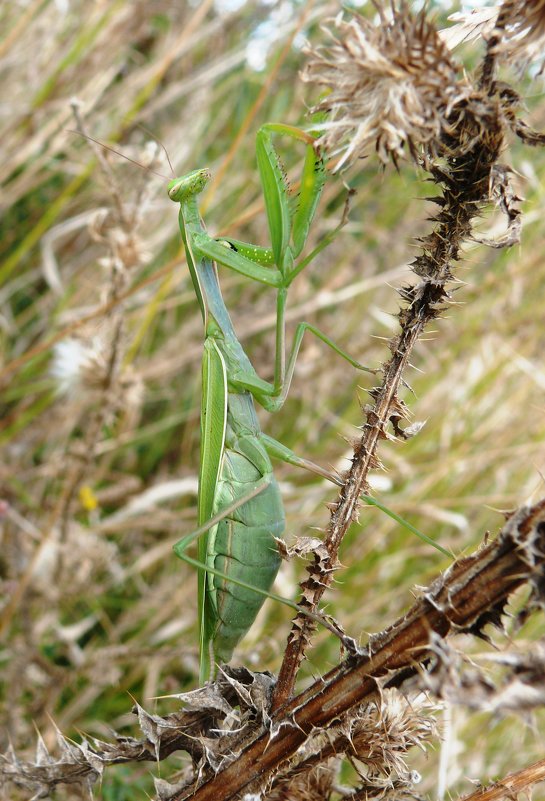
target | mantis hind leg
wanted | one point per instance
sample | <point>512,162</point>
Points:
<point>280,451</point>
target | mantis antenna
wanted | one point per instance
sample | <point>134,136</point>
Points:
<point>123,155</point>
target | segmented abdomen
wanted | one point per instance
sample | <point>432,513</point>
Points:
<point>242,545</point>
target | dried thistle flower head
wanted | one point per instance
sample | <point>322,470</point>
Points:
<point>520,31</point>
<point>469,25</point>
<point>514,30</point>
<point>126,248</point>
<point>392,85</point>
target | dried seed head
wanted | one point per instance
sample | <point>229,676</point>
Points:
<point>469,25</point>
<point>520,31</point>
<point>392,84</point>
<point>126,248</point>
<point>80,367</point>
<point>87,371</point>
<point>514,30</point>
<point>383,734</point>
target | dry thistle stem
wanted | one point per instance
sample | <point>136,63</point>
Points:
<point>392,84</point>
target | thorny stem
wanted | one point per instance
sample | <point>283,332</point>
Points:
<point>116,284</point>
<point>489,64</point>
<point>465,181</point>
<point>511,785</point>
<point>93,428</point>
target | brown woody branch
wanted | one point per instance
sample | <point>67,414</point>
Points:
<point>510,786</point>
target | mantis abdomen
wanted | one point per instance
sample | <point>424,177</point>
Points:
<point>242,546</point>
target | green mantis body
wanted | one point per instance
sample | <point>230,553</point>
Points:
<point>239,551</point>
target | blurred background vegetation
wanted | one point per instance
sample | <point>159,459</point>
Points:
<point>97,485</point>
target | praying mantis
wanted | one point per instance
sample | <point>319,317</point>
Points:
<point>240,511</point>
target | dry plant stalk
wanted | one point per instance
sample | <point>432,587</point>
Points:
<point>395,86</point>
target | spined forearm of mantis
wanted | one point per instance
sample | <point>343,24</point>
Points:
<point>240,511</point>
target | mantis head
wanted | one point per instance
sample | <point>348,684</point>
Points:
<point>183,188</point>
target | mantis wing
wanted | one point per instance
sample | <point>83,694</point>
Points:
<point>213,426</point>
